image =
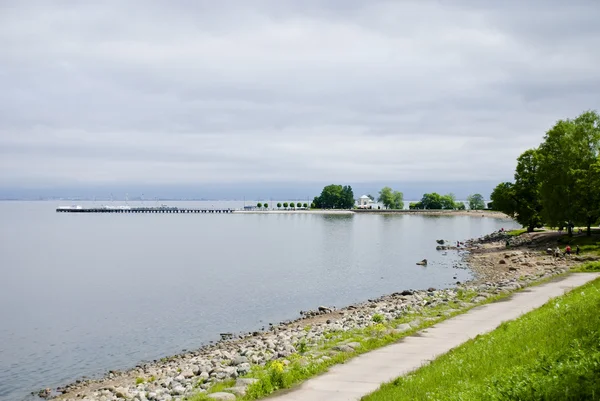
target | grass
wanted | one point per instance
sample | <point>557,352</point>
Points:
<point>552,353</point>
<point>312,360</point>
<point>588,267</point>
<point>316,359</point>
<point>516,233</point>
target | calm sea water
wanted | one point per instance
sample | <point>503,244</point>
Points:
<point>84,293</point>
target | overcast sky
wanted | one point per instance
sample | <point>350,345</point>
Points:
<point>203,92</point>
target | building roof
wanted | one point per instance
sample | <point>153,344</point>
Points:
<point>364,197</point>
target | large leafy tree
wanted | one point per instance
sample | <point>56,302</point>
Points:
<point>504,199</point>
<point>448,201</point>
<point>521,199</point>
<point>335,197</point>
<point>566,172</point>
<point>476,202</point>
<point>391,199</point>
<point>527,190</point>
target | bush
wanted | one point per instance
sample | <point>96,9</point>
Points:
<point>378,318</point>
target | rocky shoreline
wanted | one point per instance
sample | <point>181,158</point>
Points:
<point>498,270</point>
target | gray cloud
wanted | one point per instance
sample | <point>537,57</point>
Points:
<point>355,91</point>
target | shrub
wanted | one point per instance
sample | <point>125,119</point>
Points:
<point>378,318</point>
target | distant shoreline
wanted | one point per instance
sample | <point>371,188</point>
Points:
<point>474,213</point>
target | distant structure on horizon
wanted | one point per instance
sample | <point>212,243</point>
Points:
<point>364,202</point>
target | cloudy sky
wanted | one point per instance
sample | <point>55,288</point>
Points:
<point>204,92</point>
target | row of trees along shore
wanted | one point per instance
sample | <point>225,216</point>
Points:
<point>557,184</point>
<point>342,197</point>
<point>285,205</point>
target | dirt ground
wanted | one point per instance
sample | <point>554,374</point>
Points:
<point>494,261</point>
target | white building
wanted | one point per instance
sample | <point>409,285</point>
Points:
<point>365,202</point>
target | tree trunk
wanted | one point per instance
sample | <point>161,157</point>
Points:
<point>530,228</point>
<point>589,227</point>
<point>570,229</point>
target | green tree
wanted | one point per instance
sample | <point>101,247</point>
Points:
<point>278,205</point>
<point>521,200</point>
<point>391,199</point>
<point>305,205</point>
<point>476,202</point>
<point>259,205</point>
<point>347,201</point>
<point>313,205</point>
<point>431,201</point>
<point>335,197</point>
<point>504,199</point>
<point>415,205</point>
<point>386,197</point>
<point>398,200</point>
<point>266,205</point>
<point>285,205</point>
<point>566,156</point>
<point>448,201</point>
<point>460,206</point>
<point>527,191</point>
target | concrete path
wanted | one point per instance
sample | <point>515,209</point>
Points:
<point>365,373</point>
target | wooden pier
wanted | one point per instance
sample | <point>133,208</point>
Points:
<point>138,210</point>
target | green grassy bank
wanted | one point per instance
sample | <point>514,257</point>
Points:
<point>552,353</point>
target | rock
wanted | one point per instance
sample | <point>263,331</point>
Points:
<point>238,360</point>
<point>239,391</point>
<point>222,396</point>
<point>324,309</point>
<point>502,261</point>
<point>512,269</point>
<point>343,348</point>
<point>188,374</point>
<point>245,382</point>
<point>403,327</point>
<point>243,368</point>
<point>354,345</point>
<point>422,263</point>
<point>440,241</point>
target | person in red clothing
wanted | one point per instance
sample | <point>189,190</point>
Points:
<point>568,250</point>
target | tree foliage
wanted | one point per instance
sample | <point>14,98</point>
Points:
<point>436,201</point>
<point>335,197</point>
<point>566,159</point>
<point>559,182</point>
<point>476,202</point>
<point>391,199</point>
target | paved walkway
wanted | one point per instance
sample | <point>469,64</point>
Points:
<point>365,373</point>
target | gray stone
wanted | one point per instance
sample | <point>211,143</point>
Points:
<point>238,360</point>
<point>343,348</point>
<point>179,390</point>
<point>239,391</point>
<point>245,382</point>
<point>403,327</point>
<point>243,368</point>
<point>354,345</point>
<point>222,396</point>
